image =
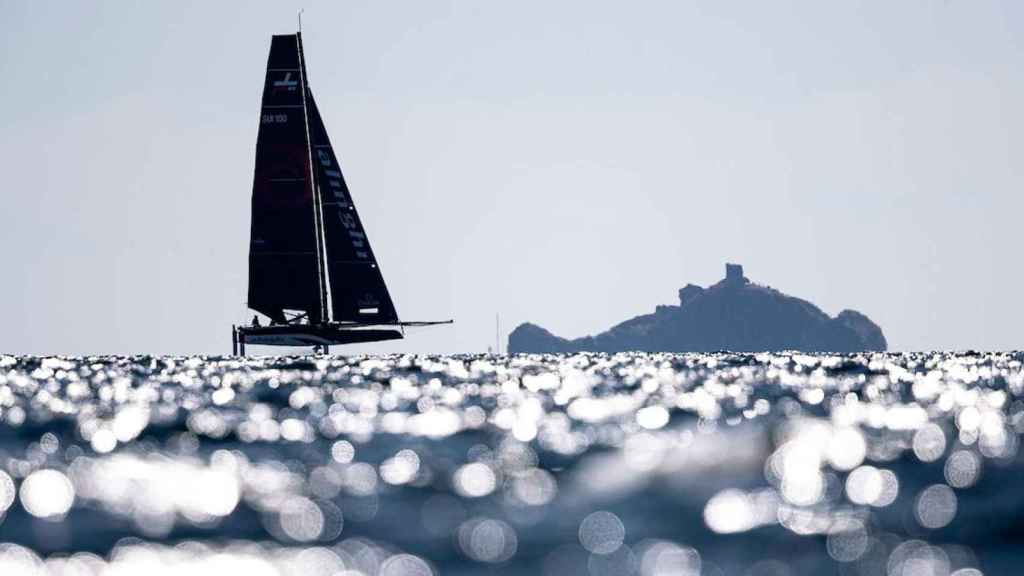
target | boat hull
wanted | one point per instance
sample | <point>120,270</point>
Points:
<point>307,335</point>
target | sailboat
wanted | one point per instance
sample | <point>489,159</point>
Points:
<point>311,269</point>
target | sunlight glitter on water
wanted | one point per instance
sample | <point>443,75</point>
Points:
<point>596,464</point>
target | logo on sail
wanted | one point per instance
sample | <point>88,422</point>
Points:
<point>357,238</point>
<point>285,83</point>
<point>369,299</point>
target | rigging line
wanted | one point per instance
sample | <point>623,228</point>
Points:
<point>317,220</point>
<point>319,199</point>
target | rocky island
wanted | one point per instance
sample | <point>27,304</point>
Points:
<point>734,314</point>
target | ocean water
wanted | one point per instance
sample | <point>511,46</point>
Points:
<point>602,465</point>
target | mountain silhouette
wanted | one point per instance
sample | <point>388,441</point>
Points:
<point>734,314</point>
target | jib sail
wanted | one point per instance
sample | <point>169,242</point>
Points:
<point>357,289</point>
<point>284,264</point>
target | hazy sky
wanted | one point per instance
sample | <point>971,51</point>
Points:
<point>570,163</point>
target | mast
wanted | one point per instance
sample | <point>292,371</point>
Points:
<point>317,208</point>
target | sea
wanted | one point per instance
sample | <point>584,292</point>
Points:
<point>772,464</point>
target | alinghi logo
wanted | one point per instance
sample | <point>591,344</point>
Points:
<point>287,83</point>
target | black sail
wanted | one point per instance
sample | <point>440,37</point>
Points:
<point>357,289</point>
<point>283,251</point>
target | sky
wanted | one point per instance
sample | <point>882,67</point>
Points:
<point>568,163</point>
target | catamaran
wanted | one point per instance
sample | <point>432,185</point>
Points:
<point>311,269</point>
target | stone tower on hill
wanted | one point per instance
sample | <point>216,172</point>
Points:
<point>734,314</point>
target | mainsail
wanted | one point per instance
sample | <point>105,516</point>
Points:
<point>283,250</point>
<point>308,250</point>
